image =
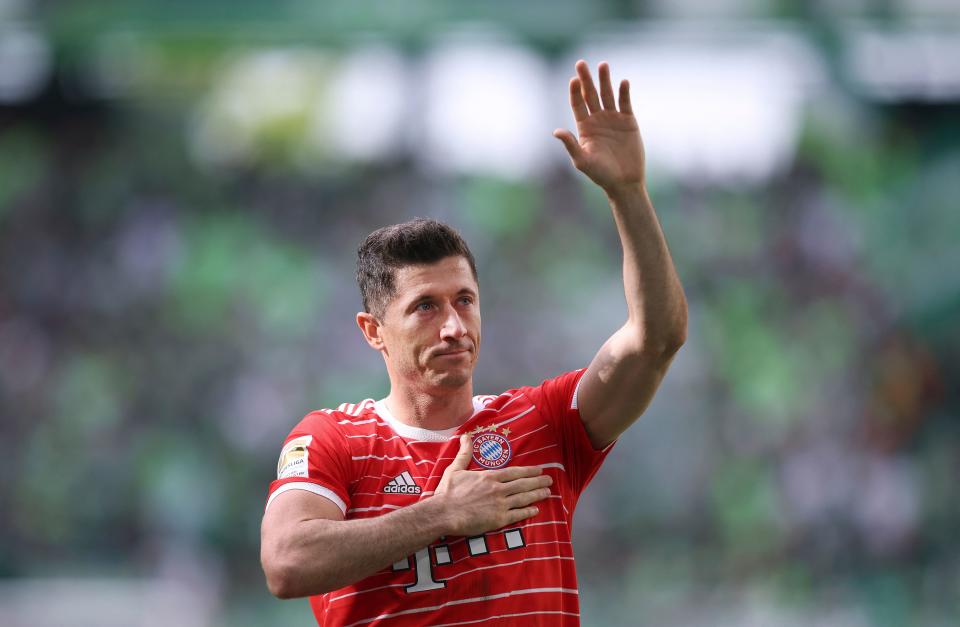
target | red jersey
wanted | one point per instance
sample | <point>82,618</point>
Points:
<point>368,463</point>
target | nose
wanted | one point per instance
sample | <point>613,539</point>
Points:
<point>453,327</point>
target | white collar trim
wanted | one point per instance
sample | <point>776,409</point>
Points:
<point>409,432</point>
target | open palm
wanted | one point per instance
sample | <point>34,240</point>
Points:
<point>609,149</point>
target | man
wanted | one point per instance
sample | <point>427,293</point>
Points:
<point>437,507</point>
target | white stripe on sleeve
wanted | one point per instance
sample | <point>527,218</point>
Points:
<point>309,487</point>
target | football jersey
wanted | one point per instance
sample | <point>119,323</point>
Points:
<point>368,463</point>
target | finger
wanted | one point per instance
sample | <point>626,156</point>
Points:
<point>525,485</point>
<point>586,87</point>
<point>579,107</point>
<point>523,499</point>
<point>569,142</point>
<point>516,515</point>
<point>462,460</point>
<point>606,88</point>
<point>515,472</point>
<point>625,106</point>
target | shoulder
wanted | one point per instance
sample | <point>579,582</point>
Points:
<point>507,397</point>
<point>365,406</point>
<point>553,393</point>
<point>511,401</point>
<point>343,418</point>
<point>484,400</point>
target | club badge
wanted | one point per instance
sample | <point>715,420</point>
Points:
<point>491,450</point>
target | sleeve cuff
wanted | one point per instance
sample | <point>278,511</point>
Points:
<point>309,487</point>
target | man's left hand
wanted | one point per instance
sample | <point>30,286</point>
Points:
<point>609,149</point>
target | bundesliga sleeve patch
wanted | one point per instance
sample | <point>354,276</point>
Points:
<point>293,458</point>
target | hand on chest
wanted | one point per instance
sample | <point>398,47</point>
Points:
<point>391,471</point>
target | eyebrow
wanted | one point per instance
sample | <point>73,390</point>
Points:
<point>431,295</point>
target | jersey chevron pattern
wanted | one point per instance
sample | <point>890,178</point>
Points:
<point>369,464</point>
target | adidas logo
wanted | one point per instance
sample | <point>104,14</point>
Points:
<point>402,484</point>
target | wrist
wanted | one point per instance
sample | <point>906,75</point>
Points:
<point>438,516</point>
<point>626,191</point>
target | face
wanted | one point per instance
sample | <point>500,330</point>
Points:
<point>430,331</point>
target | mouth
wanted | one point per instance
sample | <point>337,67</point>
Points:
<point>455,353</point>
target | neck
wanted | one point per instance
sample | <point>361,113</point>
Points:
<point>434,410</point>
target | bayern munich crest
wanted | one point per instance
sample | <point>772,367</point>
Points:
<point>491,450</point>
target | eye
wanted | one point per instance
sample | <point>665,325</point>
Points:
<point>466,300</point>
<point>424,306</point>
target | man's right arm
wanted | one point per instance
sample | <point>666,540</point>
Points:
<point>308,548</point>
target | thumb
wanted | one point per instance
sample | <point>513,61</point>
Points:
<point>462,460</point>
<point>569,142</point>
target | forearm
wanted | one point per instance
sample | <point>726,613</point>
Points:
<point>656,305</point>
<point>318,555</point>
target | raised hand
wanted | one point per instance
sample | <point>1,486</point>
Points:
<point>479,501</point>
<point>609,149</point>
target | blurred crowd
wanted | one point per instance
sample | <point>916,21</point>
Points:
<point>176,291</point>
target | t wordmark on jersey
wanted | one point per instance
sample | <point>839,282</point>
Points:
<point>424,577</point>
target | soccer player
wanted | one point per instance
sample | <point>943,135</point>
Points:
<point>433,506</point>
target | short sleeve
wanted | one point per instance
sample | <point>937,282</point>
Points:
<point>557,400</point>
<point>314,458</point>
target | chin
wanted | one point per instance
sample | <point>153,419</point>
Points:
<point>454,379</point>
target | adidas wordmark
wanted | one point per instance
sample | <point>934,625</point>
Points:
<point>402,484</point>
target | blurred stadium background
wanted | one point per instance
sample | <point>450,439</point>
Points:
<point>182,188</point>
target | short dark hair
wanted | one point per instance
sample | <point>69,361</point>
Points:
<point>419,241</point>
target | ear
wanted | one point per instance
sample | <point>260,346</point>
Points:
<point>370,327</point>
